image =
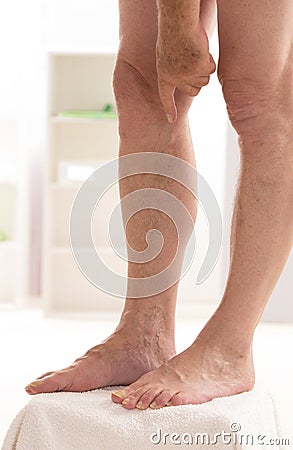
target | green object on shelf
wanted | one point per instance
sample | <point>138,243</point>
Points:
<point>108,107</point>
<point>3,236</point>
<point>107,112</point>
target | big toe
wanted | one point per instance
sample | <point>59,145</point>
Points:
<point>57,381</point>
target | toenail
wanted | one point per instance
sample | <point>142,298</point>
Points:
<point>125,401</point>
<point>169,404</point>
<point>153,405</point>
<point>139,405</point>
<point>35,383</point>
<point>119,394</point>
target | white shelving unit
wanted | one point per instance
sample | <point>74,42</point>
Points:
<point>78,80</point>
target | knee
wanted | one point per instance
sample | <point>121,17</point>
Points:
<point>132,85</point>
<point>136,94</point>
<point>137,97</point>
<point>260,111</point>
<point>256,105</point>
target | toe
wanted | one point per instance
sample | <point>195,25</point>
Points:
<point>162,399</point>
<point>148,397</point>
<point>119,395</point>
<point>46,384</point>
<point>58,381</point>
<point>133,400</point>
<point>35,382</point>
<point>177,399</point>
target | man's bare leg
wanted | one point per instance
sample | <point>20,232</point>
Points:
<point>255,70</point>
<point>144,338</point>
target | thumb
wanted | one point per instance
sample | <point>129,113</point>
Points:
<point>166,92</point>
<point>212,64</point>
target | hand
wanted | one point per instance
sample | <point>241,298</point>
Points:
<point>183,62</point>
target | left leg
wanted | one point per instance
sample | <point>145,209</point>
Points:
<point>255,70</point>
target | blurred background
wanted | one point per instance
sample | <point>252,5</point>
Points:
<point>57,124</point>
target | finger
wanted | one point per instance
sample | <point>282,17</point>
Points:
<point>166,92</point>
<point>197,83</point>
<point>212,64</point>
<point>200,82</point>
<point>188,89</point>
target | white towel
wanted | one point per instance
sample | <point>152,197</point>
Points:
<point>90,421</point>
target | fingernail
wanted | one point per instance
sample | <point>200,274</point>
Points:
<point>139,405</point>
<point>153,405</point>
<point>170,118</point>
<point>169,404</point>
<point>119,394</point>
<point>125,401</point>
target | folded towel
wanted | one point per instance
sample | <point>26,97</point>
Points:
<point>90,421</point>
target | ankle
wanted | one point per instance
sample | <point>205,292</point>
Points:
<point>221,335</point>
<point>150,315</point>
<point>151,327</point>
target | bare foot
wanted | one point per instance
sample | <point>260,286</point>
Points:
<point>208,369</point>
<point>131,351</point>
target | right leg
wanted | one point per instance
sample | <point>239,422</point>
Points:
<point>144,338</point>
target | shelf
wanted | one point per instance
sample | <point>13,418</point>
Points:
<point>82,50</point>
<point>80,81</point>
<point>72,120</point>
<point>68,250</point>
<point>83,140</point>
<point>74,186</point>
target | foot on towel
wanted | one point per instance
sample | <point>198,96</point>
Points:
<point>215,365</point>
<point>132,350</point>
